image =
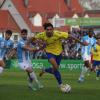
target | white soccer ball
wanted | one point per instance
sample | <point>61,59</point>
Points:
<point>66,88</point>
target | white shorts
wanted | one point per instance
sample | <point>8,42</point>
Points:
<point>25,64</point>
<point>1,58</point>
<point>86,57</point>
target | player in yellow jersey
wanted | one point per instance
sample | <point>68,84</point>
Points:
<point>96,57</point>
<point>53,49</point>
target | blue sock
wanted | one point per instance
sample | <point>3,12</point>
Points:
<point>58,76</point>
<point>48,70</point>
<point>98,73</point>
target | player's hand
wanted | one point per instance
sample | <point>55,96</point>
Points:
<point>85,43</point>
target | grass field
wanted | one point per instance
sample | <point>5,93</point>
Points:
<point>13,86</point>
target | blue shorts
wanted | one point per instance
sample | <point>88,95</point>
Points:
<point>96,63</point>
<point>56,57</point>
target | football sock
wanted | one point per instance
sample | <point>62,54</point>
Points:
<point>1,70</point>
<point>58,76</point>
<point>30,79</point>
<point>98,73</point>
<point>84,71</point>
<point>33,76</point>
<point>48,70</point>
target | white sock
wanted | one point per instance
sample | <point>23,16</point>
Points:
<point>84,71</point>
<point>33,76</point>
<point>1,70</point>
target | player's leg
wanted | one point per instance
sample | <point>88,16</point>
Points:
<point>32,76</point>
<point>86,67</point>
<point>96,68</point>
<point>33,79</point>
<point>2,64</point>
<point>55,62</point>
<point>51,58</point>
<point>98,72</point>
<point>49,69</point>
<point>58,60</point>
<point>55,70</point>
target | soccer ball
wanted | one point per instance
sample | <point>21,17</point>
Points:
<point>66,88</point>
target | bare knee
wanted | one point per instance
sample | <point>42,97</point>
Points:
<point>29,70</point>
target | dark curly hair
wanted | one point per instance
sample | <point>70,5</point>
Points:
<point>45,25</point>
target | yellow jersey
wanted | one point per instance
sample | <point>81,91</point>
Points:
<point>53,44</point>
<point>96,54</point>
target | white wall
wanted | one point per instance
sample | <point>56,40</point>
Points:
<point>12,37</point>
<point>8,5</point>
<point>54,20</point>
<point>36,20</point>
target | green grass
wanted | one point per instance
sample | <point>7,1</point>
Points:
<point>13,86</point>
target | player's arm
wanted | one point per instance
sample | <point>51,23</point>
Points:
<point>61,35</point>
<point>41,44</point>
<point>11,53</point>
<point>79,41</point>
<point>82,41</point>
<point>65,35</point>
<point>39,39</point>
<point>27,47</point>
<point>31,40</point>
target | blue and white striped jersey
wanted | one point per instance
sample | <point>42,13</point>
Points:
<point>5,46</point>
<point>86,50</point>
<point>22,54</point>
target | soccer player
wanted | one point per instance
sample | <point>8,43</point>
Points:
<point>5,45</point>
<point>53,49</point>
<point>96,57</point>
<point>89,41</point>
<point>24,51</point>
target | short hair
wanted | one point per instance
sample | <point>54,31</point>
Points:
<point>90,30</point>
<point>45,25</point>
<point>24,31</point>
<point>9,32</point>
